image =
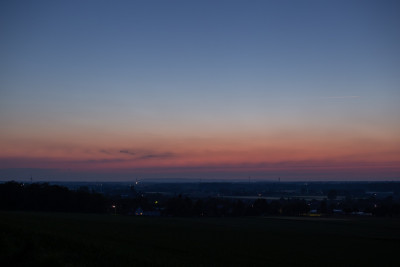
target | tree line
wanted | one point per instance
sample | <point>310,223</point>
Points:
<point>54,198</point>
<point>45,197</point>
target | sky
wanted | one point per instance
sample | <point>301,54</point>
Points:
<point>125,90</point>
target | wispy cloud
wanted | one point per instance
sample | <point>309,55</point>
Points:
<point>99,161</point>
<point>125,151</point>
<point>139,154</point>
<point>161,155</point>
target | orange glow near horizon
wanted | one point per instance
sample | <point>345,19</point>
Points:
<point>238,153</point>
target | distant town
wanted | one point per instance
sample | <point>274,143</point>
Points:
<point>211,199</point>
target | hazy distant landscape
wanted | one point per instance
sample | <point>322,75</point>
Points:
<point>209,199</point>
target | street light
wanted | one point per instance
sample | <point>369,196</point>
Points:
<point>115,209</point>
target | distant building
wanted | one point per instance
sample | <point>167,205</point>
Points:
<point>139,212</point>
<point>152,213</point>
<point>380,194</point>
<point>338,211</point>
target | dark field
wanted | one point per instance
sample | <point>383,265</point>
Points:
<point>48,239</point>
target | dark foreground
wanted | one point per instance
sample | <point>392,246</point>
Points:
<point>48,239</point>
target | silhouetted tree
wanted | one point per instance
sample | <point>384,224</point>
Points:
<point>260,206</point>
<point>45,197</point>
<point>332,194</point>
<point>323,208</point>
<point>238,208</point>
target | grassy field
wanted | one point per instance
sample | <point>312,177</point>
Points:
<point>52,239</point>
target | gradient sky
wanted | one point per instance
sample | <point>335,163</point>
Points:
<point>119,90</point>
